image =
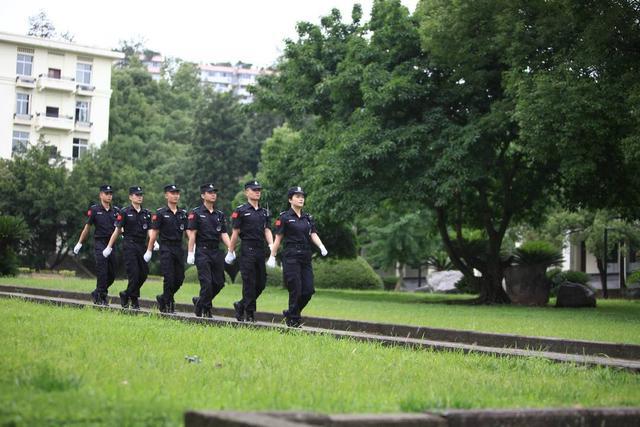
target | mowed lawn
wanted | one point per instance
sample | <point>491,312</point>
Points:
<point>612,320</point>
<point>88,367</point>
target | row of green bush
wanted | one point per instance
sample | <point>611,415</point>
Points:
<point>330,273</point>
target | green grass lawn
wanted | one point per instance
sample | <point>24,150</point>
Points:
<point>85,367</point>
<point>612,320</point>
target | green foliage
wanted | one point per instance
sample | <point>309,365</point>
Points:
<point>557,277</point>
<point>465,286</point>
<point>536,253</point>
<point>275,278</point>
<point>389,282</point>
<point>345,274</point>
<point>576,277</point>
<point>191,276</point>
<point>634,278</point>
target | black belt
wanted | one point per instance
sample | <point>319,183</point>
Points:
<point>253,243</point>
<point>208,242</point>
<point>102,239</point>
<point>171,242</point>
<point>297,246</point>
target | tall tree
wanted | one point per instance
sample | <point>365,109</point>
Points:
<point>443,108</point>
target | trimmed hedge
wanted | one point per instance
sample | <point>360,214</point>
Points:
<point>274,277</point>
<point>345,274</point>
<point>537,252</point>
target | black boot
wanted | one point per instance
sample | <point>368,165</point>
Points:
<point>104,300</point>
<point>251,317</point>
<point>239,311</point>
<point>162,306</point>
<point>134,303</point>
<point>124,299</point>
<point>196,307</point>
<point>207,312</point>
<point>172,307</point>
<point>95,297</point>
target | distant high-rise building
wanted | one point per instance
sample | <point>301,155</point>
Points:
<point>53,91</point>
<point>221,77</point>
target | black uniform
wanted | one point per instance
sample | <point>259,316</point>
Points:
<point>104,222</point>
<point>209,259</point>
<point>135,225</point>
<point>252,224</point>
<point>171,226</point>
<point>296,260</point>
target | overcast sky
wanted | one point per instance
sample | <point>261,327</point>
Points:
<point>195,30</point>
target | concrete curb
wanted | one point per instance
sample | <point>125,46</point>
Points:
<point>578,417</point>
<point>414,343</point>
<point>553,345</point>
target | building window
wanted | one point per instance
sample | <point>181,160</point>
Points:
<point>22,104</point>
<point>24,64</point>
<point>82,111</point>
<point>54,73</point>
<point>79,148</point>
<point>83,73</point>
<point>19,143</point>
<point>52,112</point>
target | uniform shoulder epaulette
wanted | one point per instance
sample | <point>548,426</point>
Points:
<point>183,210</point>
<point>240,206</point>
<point>159,209</point>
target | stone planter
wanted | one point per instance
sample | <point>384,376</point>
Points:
<point>527,284</point>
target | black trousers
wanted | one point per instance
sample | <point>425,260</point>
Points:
<point>105,268</point>
<point>137,268</point>
<point>254,274</point>
<point>298,276</point>
<point>210,265</point>
<point>172,268</point>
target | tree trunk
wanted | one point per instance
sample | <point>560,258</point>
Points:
<point>399,275</point>
<point>491,290</point>
<point>603,278</point>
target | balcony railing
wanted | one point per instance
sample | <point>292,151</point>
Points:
<point>83,126</point>
<point>26,81</point>
<point>85,89</point>
<point>22,119</point>
<point>65,84</point>
<point>58,122</point>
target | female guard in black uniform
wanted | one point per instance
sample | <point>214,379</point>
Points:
<point>298,231</point>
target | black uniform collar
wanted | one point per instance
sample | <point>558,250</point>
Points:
<point>292,212</point>
<point>204,208</point>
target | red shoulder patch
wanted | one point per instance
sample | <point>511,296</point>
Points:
<point>154,217</point>
<point>234,215</point>
<point>278,222</point>
<point>89,212</point>
<point>191,215</point>
<point>119,217</point>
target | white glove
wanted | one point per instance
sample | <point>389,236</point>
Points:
<point>147,256</point>
<point>107,251</point>
<point>323,251</point>
<point>271,262</point>
<point>156,246</point>
<point>231,256</point>
<point>191,258</point>
<point>77,247</point>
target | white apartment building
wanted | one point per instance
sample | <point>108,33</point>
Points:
<point>222,78</point>
<point>54,91</point>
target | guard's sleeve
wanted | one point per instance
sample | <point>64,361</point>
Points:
<point>156,221</point>
<point>280,225</point>
<point>192,221</point>
<point>91,217</point>
<point>313,224</point>
<point>267,219</point>
<point>223,223</point>
<point>236,219</point>
<point>121,219</point>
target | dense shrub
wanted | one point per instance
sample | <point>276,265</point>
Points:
<point>634,278</point>
<point>274,277</point>
<point>558,277</point>
<point>389,282</point>
<point>346,274</point>
<point>576,277</point>
<point>537,252</point>
<point>465,286</point>
<point>13,231</point>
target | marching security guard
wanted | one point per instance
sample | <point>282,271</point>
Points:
<point>169,222</point>
<point>103,217</point>
<point>205,227</point>
<point>298,231</point>
<point>251,223</point>
<point>133,222</point>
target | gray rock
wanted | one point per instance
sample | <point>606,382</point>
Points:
<point>442,281</point>
<point>527,284</point>
<point>575,295</point>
